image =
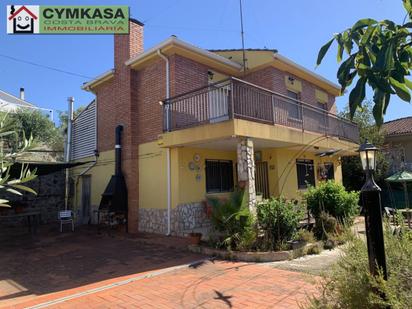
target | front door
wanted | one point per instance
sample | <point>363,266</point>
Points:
<point>86,188</point>
<point>261,179</point>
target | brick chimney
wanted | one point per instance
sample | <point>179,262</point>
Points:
<point>128,45</point>
<point>125,47</point>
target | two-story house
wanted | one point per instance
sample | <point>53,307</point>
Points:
<point>196,123</point>
<point>398,142</point>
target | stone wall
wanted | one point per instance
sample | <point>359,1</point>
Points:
<point>246,170</point>
<point>49,200</point>
<point>185,218</point>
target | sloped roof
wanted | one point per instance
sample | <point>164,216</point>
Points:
<point>9,98</point>
<point>399,126</point>
<point>246,49</point>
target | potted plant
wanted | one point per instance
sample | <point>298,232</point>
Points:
<point>195,238</point>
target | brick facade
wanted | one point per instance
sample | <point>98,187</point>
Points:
<point>186,75</point>
<point>115,106</point>
<point>274,79</point>
<point>132,98</point>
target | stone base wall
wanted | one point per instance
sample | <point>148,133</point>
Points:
<point>185,218</point>
<point>48,201</point>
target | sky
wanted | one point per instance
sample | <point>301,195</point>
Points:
<point>297,29</point>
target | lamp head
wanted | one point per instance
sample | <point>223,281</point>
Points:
<point>367,152</point>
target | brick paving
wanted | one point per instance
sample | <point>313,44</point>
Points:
<point>211,284</point>
<point>63,263</point>
<point>138,274</point>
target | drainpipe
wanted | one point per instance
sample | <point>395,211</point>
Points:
<point>70,101</point>
<point>169,191</point>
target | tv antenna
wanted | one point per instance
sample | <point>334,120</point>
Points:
<point>242,34</point>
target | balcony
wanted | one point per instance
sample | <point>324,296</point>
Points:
<point>237,99</point>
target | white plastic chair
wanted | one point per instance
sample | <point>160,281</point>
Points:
<point>66,217</point>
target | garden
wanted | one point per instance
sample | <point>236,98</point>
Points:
<point>281,229</point>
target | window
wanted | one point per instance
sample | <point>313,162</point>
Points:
<point>305,172</point>
<point>326,171</point>
<point>219,176</point>
<point>295,109</point>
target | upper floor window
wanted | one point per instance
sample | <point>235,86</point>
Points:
<point>305,172</point>
<point>295,108</point>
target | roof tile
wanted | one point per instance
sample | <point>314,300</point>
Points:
<point>398,126</point>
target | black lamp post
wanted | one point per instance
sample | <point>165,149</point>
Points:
<point>371,202</point>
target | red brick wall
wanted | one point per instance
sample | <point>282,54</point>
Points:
<point>186,75</point>
<point>274,79</point>
<point>114,107</point>
<point>149,88</point>
<point>269,78</point>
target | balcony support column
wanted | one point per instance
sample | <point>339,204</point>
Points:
<point>246,170</point>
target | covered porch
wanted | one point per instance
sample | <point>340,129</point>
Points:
<point>213,160</point>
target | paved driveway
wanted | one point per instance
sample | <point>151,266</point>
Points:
<point>87,270</point>
<point>209,284</point>
<point>55,262</point>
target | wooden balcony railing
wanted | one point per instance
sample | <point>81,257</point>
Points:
<point>234,98</point>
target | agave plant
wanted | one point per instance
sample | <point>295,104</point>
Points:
<point>8,156</point>
<point>233,219</point>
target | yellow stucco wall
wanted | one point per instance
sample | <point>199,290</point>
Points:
<point>282,171</point>
<point>189,185</point>
<point>100,176</point>
<point>192,183</point>
<point>152,176</point>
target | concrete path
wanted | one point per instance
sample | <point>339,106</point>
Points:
<point>311,264</point>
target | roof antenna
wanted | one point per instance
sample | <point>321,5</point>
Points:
<point>243,37</point>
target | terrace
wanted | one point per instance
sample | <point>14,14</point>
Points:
<point>237,99</point>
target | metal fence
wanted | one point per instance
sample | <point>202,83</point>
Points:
<point>234,98</point>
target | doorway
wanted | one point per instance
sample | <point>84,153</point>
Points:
<point>262,179</point>
<point>218,99</point>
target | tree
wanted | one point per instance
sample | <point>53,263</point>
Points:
<point>63,117</point>
<point>352,172</point>
<point>34,123</point>
<point>379,54</point>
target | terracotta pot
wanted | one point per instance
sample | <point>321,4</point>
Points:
<point>195,238</point>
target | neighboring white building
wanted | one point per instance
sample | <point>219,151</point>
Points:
<point>11,103</point>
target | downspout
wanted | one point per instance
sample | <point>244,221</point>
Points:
<point>70,101</point>
<point>169,191</point>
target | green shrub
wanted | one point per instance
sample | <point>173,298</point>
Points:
<point>278,220</point>
<point>314,249</point>
<point>332,198</point>
<point>350,284</point>
<point>305,235</point>
<point>234,221</point>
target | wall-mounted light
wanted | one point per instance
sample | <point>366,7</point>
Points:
<point>210,74</point>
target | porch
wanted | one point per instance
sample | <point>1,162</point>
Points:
<point>213,162</point>
<point>237,99</point>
